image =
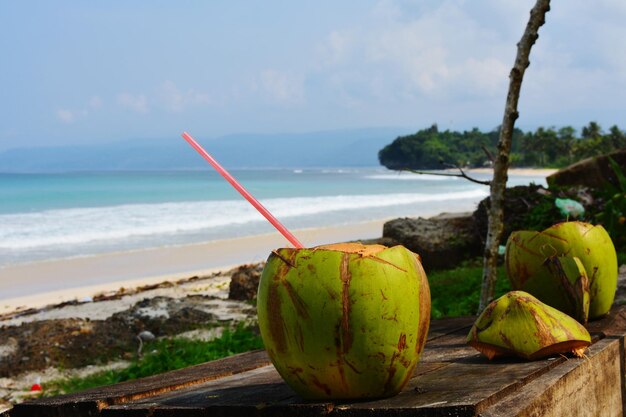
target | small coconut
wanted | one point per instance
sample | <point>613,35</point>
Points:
<point>518,324</point>
<point>544,264</point>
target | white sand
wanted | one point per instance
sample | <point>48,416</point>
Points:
<point>41,283</point>
<point>533,172</point>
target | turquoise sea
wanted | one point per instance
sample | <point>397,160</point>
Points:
<point>49,216</point>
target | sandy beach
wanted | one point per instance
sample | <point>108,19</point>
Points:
<point>37,284</point>
<point>517,171</point>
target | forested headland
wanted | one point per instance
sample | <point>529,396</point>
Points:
<point>545,147</point>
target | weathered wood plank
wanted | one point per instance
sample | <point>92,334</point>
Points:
<point>245,393</point>
<point>451,380</point>
<point>437,389</point>
<point>613,324</point>
<point>462,388</point>
<point>593,386</point>
<point>296,403</point>
<point>257,392</point>
<point>449,348</point>
<point>439,328</point>
<point>90,402</point>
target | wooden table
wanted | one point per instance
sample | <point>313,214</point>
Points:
<point>451,380</point>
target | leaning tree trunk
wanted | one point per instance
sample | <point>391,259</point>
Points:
<point>501,163</point>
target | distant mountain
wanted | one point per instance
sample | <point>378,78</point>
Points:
<point>336,148</point>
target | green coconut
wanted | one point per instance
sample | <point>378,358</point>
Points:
<point>518,324</point>
<point>545,264</point>
<point>344,321</point>
<point>563,284</point>
<point>572,276</point>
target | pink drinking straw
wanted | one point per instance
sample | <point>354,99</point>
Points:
<point>278,225</point>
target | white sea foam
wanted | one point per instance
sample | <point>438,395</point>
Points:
<point>412,177</point>
<point>73,226</point>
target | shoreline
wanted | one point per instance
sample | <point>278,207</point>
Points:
<point>56,281</point>
<point>48,282</point>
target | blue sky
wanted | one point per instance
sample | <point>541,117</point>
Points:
<point>79,72</point>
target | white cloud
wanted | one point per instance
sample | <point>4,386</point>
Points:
<point>69,116</point>
<point>66,116</point>
<point>336,49</point>
<point>595,33</point>
<point>137,103</point>
<point>281,87</point>
<point>482,77</point>
<point>176,100</point>
<point>95,102</point>
<point>435,49</point>
<point>402,62</point>
<point>444,51</point>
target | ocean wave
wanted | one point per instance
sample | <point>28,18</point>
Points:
<point>83,225</point>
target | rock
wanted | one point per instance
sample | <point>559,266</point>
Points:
<point>146,335</point>
<point>447,239</point>
<point>245,282</point>
<point>5,406</point>
<point>8,348</point>
<point>165,315</point>
<point>584,195</point>
<point>385,241</point>
<point>591,172</point>
<point>525,207</point>
<point>441,241</point>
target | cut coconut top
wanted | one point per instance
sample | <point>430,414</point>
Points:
<point>350,247</point>
<point>519,324</point>
<point>372,252</point>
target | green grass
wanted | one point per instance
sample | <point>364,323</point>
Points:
<point>456,292</point>
<point>165,355</point>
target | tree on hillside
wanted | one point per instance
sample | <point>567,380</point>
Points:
<point>432,148</point>
<point>502,160</point>
<point>592,131</point>
<point>616,137</point>
<point>541,146</point>
<point>566,138</point>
